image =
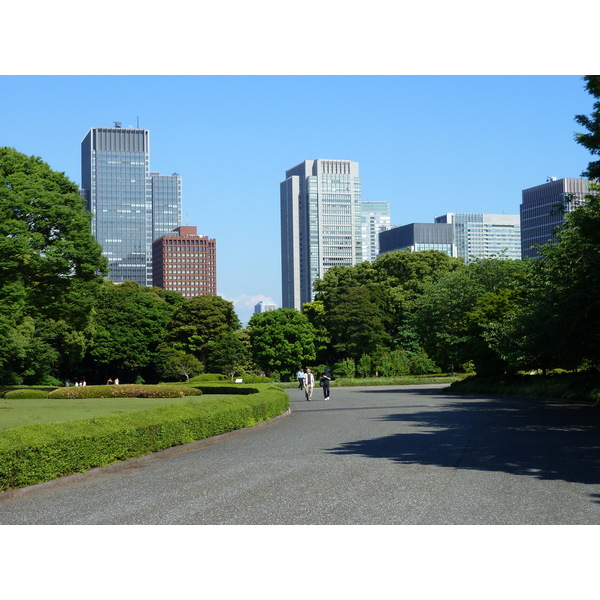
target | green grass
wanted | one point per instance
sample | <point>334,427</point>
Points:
<point>14,413</point>
<point>377,381</point>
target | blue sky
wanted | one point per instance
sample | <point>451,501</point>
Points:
<point>446,107</point>
<point>428,144</point>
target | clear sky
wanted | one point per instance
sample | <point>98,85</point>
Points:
<point>427,144</point>
<point>445,108</point>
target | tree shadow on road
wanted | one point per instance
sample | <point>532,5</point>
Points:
<point>544,439</point>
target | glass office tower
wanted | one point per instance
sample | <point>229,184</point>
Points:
<point>320,224</point>
<point>130,206</point>
<point>543,209</point>
<point>375,219</point>
<point>482,235</point>
<point>418,237</point>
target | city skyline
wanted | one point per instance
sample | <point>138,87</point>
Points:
<point>131,205</point>
<point>429,145</point>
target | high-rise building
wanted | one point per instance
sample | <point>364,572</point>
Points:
<point>263,306</point>
<point>166,203</point>
<point>320,224</point>
<point>480,236</point>
<point>185,262</point>
<point>543,209</point>
<point>130,206</point>
<point>375,219</point>
<point>418,237</point>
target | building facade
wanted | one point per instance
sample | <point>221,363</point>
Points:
<point>481,236</point>
<point>419,236</point>
<point>375,219</point>
<point>130,206</point>
<point>320,203</point>
<point>543,209</point>
<point>185,262</point>
<point>263,306</point>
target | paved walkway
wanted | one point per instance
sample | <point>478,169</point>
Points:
<point>391,455</point>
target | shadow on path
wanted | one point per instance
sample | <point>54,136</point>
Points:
<point>543,439</point>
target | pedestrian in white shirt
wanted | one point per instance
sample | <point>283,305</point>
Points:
<point>300,379</point>
<point>309,383</point>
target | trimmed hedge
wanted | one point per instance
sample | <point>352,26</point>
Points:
<point>25,394</point>
<point>219,388</point>
<point>208,377</point>
<point>36,453</point>
<point>11,388</point>
<point>125,391</point>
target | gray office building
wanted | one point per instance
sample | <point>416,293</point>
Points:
<point>543,209</point>
<point>320,224</point>
<point>130,206</point>
<point>418,237</point>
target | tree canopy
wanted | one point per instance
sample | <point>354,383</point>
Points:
<point>283,340</point>
<point>199,322</point>
<point>50,268</point>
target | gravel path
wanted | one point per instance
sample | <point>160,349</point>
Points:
<point>390,455</point>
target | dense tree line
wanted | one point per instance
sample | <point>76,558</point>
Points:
<point>405,313</point>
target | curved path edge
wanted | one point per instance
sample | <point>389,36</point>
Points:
<point>135,462</point>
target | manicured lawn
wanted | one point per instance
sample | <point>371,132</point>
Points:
<point>14,413</point>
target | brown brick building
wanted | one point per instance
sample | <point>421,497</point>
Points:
<point>185,262</point>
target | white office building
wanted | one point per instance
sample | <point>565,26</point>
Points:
<point>375,219</point>
<point>480,236</point>
<point>321,224</point>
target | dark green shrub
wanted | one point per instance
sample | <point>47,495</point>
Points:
<point>26,394</point>
<point>221,388</point>
<point>208,377</point>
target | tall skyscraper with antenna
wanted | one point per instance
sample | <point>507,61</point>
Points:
<point>130,205</point>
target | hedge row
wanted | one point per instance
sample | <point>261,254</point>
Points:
<point>26,394</point>
<point>125,391</point>
<point>36,453</point>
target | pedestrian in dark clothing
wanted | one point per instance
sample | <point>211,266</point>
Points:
<point>325,379</point>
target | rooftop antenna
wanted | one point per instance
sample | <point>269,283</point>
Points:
<point>138,122</point>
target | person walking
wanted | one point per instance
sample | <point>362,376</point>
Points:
<point>325,379</point>
<point>309,383</point>
<point>300,379</point>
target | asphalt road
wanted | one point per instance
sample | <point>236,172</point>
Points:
<point>390,455</point>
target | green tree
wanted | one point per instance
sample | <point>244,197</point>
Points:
<point>392,284</point>
<point>199,322</point>
<point>591,139</point>
<point>356,323</point>
<point>130,324</point>
<point>363,366</point>
<point>50,268</point>
<point>315,312</point>
<point>228,355</point>
<point>557,324</point>
<point>173,365</point>
<point>282,341</point>
<point>454,316</point>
